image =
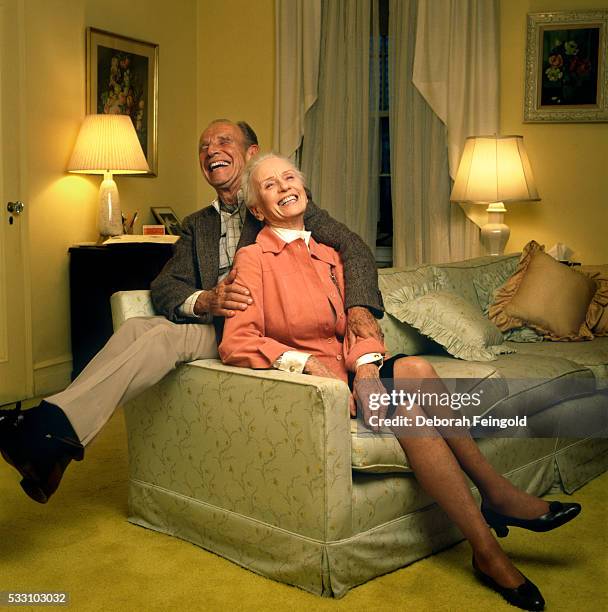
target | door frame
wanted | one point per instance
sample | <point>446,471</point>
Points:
<point>22,188</point>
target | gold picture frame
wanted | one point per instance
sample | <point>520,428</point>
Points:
<point>122,78</point>
<point>566,73</point>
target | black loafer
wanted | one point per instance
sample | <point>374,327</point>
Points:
<point>526,596</point>
<point>558,515</point>
<point>39,443</point>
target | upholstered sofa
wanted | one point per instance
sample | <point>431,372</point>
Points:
<point>266,468</point>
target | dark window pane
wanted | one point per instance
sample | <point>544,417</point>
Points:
<point>383,72</point>
<point>385,147</point>
<point>384,235</point>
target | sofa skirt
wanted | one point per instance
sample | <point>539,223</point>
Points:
<point>329,569</point>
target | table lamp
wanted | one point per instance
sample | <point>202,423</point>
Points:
<point>108,144</point>
<point>494,170</point>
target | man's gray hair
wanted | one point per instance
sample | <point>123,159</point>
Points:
<point>248,188</point>
<point>250,138</point>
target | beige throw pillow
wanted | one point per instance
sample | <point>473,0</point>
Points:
<point>597,315</point>
<point>545,295</point>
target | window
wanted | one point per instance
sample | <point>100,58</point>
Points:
<point>384,233</point>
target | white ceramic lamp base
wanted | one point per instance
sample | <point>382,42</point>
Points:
<point>495,233</point>
<point>109,222</point>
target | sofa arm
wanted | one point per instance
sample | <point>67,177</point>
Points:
<point>128,304</point>
<point>267,445</point>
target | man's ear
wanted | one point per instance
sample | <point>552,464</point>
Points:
<point>251,151</point>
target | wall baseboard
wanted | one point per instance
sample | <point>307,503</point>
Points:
<point>52,375</point>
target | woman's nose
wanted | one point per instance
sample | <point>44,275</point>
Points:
<point>282,184</point>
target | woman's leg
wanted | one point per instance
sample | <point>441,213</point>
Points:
<point>497,491</point>
<point>439,474</point>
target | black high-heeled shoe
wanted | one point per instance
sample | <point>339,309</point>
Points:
<point>558,515</point>
<point>526,596</point>
<point>39,443</point>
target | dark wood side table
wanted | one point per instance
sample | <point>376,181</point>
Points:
<point>96,272</point>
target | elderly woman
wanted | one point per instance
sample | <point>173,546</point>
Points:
<point>297,323</point>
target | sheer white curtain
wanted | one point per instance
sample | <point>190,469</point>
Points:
<point>298,42</point>
<point>426,226</point>
<point>340,145</point>
<point>457,67</point>
<point>457,71</point>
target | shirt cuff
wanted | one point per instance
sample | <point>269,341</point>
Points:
<point>186,309</point>
<point>291,361</point>
<point>376,358</point>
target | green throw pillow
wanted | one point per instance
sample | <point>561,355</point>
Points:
<point>450,321</point>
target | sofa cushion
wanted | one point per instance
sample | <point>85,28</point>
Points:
<point>513,385</point>
<point>545,295</point>
<point>381,453</point>
<point>593,355</point>
<point>459,277</point>
<point>535,383</point>
<point>451,321</point>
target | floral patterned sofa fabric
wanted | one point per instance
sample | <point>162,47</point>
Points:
<point>129,304</point>
<point>277,446</point>
<point>267,469</point>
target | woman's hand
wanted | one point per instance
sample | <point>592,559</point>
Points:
<point>367,383</point>
<point>316,368</point>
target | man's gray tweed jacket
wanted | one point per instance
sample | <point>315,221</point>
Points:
<point>195,261</point>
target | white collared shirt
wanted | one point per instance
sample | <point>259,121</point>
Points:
<point>231,224</point>
<point>289,235</point>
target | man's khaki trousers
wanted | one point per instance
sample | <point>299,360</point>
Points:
<point>136,357</point>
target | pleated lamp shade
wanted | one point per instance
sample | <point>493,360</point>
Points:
<point>107,143</point>
<point>494,169</point>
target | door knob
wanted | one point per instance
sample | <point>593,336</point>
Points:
<point>16,208</point>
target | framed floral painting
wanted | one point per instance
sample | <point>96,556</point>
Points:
<point>122,78</point>
<point>566,75</point>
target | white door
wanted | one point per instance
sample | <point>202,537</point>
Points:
<point>15,343</point>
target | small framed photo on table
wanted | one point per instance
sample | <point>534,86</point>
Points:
<point>122,78</point>
<point>165,216</point>
<point>566,75</point>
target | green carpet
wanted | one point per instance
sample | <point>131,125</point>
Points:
<point>82,543</point>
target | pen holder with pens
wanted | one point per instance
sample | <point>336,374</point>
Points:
<point>129,222</point>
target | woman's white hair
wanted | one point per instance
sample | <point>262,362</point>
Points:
<point>248,186</point>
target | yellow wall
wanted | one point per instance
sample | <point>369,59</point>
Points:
<point>570,161</point>
<point>236,68</point>
<point>217,60</point>
<point>61,207</point>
